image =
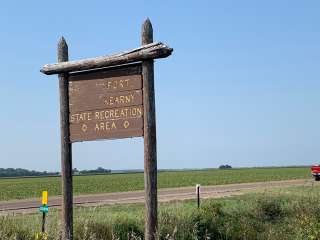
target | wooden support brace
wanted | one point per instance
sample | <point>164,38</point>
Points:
<point>146,52</point>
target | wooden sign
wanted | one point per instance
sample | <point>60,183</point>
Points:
<point>109,97</point>
<point>106,104</point>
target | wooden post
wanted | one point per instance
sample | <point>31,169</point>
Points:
<point>43,227</point>
<point>66,151</point>
<point>150,139</point>
<point>198,194</point>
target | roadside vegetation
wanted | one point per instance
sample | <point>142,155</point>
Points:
<point>288,214</point>
<point>31,187</point>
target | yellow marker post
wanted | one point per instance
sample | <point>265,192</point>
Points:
<point>45,198</point>
<point>44,209</point>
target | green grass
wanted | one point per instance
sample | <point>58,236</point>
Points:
<point>289,214</point>
<point>23,188</point>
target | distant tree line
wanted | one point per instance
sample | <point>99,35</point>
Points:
<point>20,172</point>
<point>99,170</point>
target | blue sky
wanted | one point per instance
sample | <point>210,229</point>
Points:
<point>242,86</point>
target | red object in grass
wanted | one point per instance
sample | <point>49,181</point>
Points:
<point>315,171</point>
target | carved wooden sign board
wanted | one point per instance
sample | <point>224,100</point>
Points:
<point>106,104</point>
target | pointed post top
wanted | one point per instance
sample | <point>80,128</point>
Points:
<point>147,32</point>
<point>148,22</point>
<point>62,40</point>
<point>62,50</point>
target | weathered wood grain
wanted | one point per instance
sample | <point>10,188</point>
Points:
<point>105,100</point>
<point>113,123</point>
<point>106,103</point>
<point>109,72</point>
<point>150,139</point>
<point>107,114</point>
<point>66,150</point>
<point>105,89</point>
<point>109,129</point>
<point>105,85</point>
<point>145,52</point>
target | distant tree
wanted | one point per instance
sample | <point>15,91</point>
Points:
<point>102,170</point>
<point>225,166</point>
<point>99,170</point>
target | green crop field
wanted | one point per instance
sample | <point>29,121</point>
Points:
<point>22,188</point>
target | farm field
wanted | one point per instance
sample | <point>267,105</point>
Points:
<point>286,213</point>
<point>22,188</point>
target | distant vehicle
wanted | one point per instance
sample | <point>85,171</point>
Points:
<point>315,171</point>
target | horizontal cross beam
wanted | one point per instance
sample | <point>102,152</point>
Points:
<point>145,52</point>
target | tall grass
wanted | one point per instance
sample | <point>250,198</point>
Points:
<point>289,214</point>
